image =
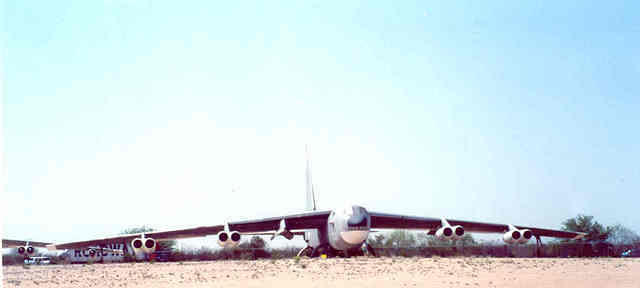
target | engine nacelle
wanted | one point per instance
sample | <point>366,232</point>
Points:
<point>137,244</point>
<point>235,238</point>
<point>458,232</point>
<point>149,245</point>
<point>512,236</point>
<point>230,239</point>
<point>223,238</point>
<point>143,244</point>
<point>525,234</point>
<point>445,233</point>
<point>26,250</point>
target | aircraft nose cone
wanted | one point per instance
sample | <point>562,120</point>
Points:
<point>355,237</point>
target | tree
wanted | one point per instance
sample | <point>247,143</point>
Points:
<point>586,224</point>
<point>165,245</point>
<point>467,240</point>
<point>257,249</point>
<point>377,241</point>
<point>620,235</point>
<point>136,230</point>
<point>400,238</point>
<point>256,242</point>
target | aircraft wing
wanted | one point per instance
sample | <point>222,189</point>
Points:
<point>394,221</point>
<point>302,221</point>
<point>8,243</point>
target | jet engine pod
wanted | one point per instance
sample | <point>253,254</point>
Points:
<point>511,236</point>
<point>458,232</point>
<point>137,244</point>
<point>223,238</point>
<point>235,238</point>
<point>445,233</point>
<point>27,250</point>
<point>526,235</point>
<point>149,245</point>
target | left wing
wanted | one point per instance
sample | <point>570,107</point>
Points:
<point>302,221</point>
<point>395,221</point>
<point>8,243</point>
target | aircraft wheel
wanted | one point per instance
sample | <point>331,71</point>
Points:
<point>306,251</point>
<point>356,252</point>
<point>322,249</point>
<point>315,252</point>
<point>352,252</point>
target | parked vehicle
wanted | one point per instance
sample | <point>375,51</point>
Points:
<point>631,253</point>
<point>37,261</point>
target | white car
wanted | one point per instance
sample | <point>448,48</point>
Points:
<point>37,261</point>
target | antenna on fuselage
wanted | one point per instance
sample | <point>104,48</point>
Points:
<point>311,198</point>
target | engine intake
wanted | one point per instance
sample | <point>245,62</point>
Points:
<point>136,243</point>
<point>445,233</point>
<point>26,250</point>
<point>511,237</point>
<point>223,238</point>
<point>230,239</point>
<point>143,244</point>
<point>526,235</point>
<point>458,232</point>
<point>235,236</point>
<point>149,245</point>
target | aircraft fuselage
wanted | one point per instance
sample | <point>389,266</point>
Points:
<point>346,229</point>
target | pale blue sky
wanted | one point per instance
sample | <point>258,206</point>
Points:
<point>123,113</point>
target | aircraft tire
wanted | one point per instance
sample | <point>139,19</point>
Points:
<point>306,251</point>
<point>322,249</point>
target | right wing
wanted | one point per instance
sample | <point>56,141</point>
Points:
<point>394,221</point>
<point>302,221</point>
<point>8,243</point>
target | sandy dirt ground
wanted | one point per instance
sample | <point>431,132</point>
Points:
<point>353,272</point>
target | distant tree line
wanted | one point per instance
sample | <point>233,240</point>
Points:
<point>615,234</point>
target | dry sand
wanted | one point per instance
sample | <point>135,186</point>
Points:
<point>353,272</point>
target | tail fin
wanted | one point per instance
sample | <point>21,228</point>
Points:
<point>311,197</point>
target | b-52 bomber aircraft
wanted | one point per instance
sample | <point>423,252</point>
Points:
<point>330,232</point>
<point>28,249</point>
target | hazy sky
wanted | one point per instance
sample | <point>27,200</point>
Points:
<point>123,113</point>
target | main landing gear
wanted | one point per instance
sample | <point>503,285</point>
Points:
<point>539,247</point>
<point>306,251</point>
<point>322,249</point>
<point>327,250</point>
<point>370,250</point>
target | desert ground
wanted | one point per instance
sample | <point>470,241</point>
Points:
<point>339,272</point>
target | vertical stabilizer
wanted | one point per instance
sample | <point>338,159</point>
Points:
<point>311,197</point>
